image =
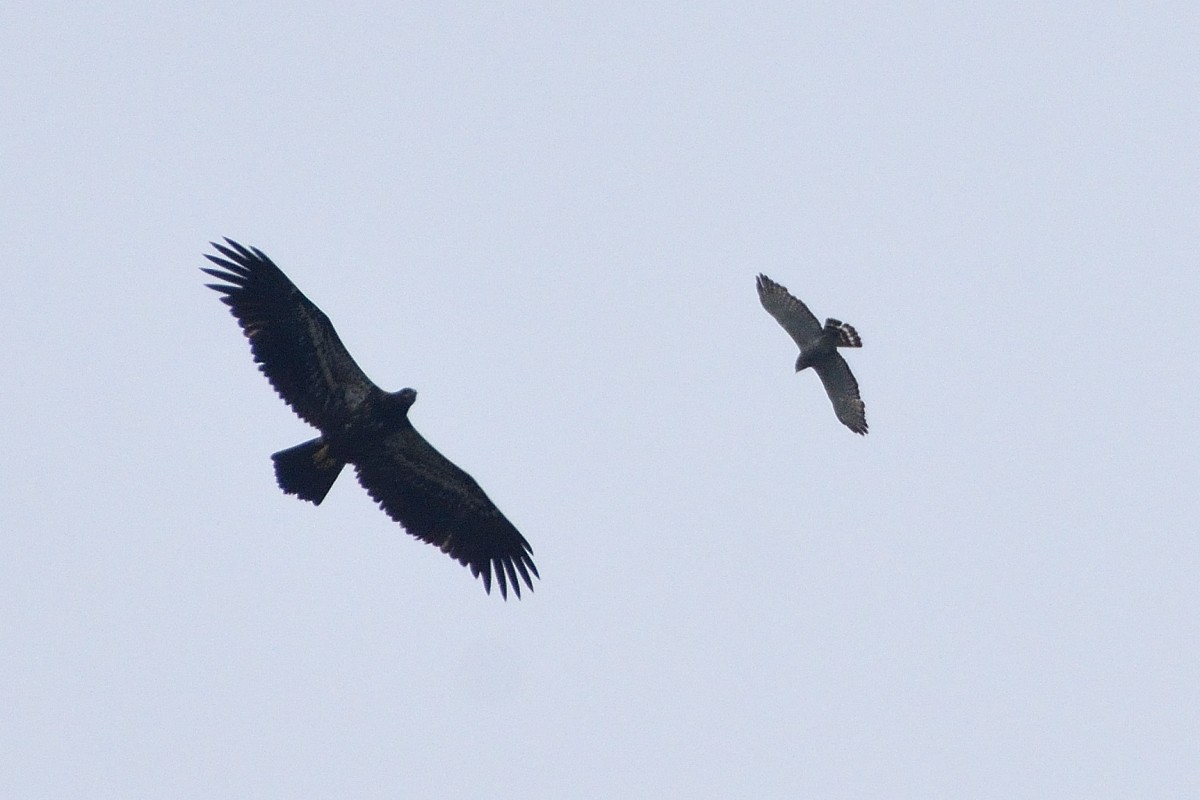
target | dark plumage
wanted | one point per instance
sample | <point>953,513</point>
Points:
<point>818,349</point>
<point>298,350</point>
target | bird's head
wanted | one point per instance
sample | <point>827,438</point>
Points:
<point>403,399</point>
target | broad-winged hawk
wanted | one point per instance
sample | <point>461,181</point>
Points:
<point>818,349</point>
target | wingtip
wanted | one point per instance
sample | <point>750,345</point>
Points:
<point>237,251</point>
<point>508,574</point>
<point>767,287</point>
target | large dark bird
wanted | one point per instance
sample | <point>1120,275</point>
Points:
<point>818,349</point>
<point>298,350</point>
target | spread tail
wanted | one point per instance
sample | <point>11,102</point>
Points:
<point>846,335</point>
<point>307,470</point>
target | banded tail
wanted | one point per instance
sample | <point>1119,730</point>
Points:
<point>846,335</point>
<point>307,470</point>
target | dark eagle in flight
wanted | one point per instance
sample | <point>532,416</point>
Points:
<point>818,349</point>
<point>298,350</point>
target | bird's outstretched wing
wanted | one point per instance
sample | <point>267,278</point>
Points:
<point>842,389</point>
<point>292,340</point>
<point>793,315</point>
<point>441,504</point>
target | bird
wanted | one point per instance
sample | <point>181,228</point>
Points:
<point>297,348</point>
<point>818,349</point>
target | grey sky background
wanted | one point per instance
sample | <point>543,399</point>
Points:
<point>547,219</point>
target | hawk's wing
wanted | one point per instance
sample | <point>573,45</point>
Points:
<point>292,340</point>
<point>842,389</point>
<point>789,312</point>
<point>441,504</point>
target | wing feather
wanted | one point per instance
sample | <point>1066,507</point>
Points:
<point>800,323</point>
<point>439,503</point>
<point>294,343</point>
<point>842,389</point>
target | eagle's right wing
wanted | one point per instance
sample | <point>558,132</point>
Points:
<point>292,340</point>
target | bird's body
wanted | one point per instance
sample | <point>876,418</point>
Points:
<point>299,351</point>
<point>819,349</point>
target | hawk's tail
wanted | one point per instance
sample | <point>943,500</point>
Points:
<point>846,335</point>
<point>307,470</point>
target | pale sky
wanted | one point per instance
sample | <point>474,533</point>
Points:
<point>547,218</point>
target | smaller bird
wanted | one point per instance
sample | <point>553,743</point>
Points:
<point>818,349</point>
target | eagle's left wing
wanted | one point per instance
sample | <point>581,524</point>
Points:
<point>441,504</point>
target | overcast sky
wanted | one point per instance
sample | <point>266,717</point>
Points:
<point>547,218</point>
